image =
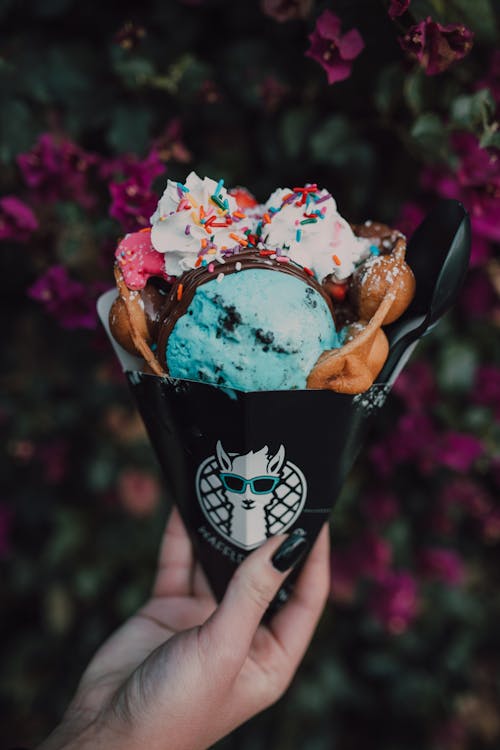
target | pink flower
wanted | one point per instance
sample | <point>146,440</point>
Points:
<point>478,297</point>
<point>458,451</point>
<point>133,199</point>
<point>368,557</point>
<point>476,183</point>
<point>394,601</point>
<point>411,215</point>
<point>170,144</point>
<point>69,301</point>
<point>132,205</point>
<point>467,495</point>
<point>487,388</point>
<point>435,46</point>
<point>334,51</point>
<point>58,169</point>
<point>398,7</point>
<point>413,439</point>
<point>139,492</point>
<point>129,167</point>
<point>416,386</point>
<point>17,220</point>
<point>442,565</point>
<point>286,10</point>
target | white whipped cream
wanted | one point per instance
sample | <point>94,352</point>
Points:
<point>178,230</point>
<point>326,245</point>
<point>188,227</point>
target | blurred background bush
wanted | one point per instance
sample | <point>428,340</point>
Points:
<point>387,104</point>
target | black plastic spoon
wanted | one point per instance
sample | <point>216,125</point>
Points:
<point>438,254</point>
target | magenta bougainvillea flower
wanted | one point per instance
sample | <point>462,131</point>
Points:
<point>333,50</point>
<point>487,388</point>
<point>132,204</point>
<point>476,183</point>
<point>58,169</point>
<point>69,301</point>
<point>398,7</point>
<point>410,217</point>
<point>394,601</point>
<point>479,298</point>
<point>467,495</point>
<point>130,167</point>
<point>170,145</point>
<point>287,10</point>
<point>436,46</point>
<point>458,451</point>
<point>17,220</point>
<point>369,556</point>
<point>445,565</point>
<point>413,439</point>
<point>416,386</point>
<point>133,199</point>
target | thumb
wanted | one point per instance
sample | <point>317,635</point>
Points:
<point>252,588</point>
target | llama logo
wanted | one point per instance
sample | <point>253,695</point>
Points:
<point>251,496</point>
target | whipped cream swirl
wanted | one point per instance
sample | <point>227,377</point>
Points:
<point>197,223</point>
<point>304,224</point>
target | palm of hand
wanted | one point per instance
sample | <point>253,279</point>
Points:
<point>181,600</point>
<point>183,651</point>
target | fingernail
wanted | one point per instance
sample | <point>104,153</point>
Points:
<point>290,552</point>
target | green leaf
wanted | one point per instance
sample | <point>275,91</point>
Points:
<point>134,71</point>
<point>295,125</point>
<point>490,137</point>
<point>17,130</point>
<point>477,15</point>
<point>430,133</point>
<point>473,111</point>
<point>457,366</point>
<point>330,138</point>
<point>389,88</point>
<point>51,7</point>
<point>130,129</point>
<point>415,87</point>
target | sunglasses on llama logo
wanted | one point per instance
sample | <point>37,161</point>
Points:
<point>248,497</point>
<point>258,485</point>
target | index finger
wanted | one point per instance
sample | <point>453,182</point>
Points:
<point>176,561</point>
<point>294,624</point>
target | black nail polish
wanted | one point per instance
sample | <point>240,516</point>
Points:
<point>290,552</point>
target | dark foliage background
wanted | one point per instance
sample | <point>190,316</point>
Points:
<point>100,104</point>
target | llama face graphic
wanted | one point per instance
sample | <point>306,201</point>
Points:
<point>248,497</point>
<point>249,482</point>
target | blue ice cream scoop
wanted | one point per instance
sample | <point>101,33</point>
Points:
<point>252,330</point>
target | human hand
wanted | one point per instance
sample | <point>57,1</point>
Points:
<point>184,671</point>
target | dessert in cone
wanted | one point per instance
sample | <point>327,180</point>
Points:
<point>280,296</point>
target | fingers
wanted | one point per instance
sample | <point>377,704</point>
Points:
<point>253,586</point>
<point>293,626</point>
<point>175,568</point>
